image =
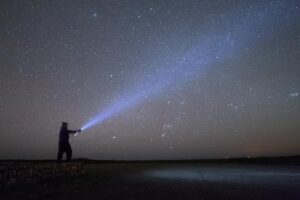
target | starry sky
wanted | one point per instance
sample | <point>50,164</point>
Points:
<point>150,79</point>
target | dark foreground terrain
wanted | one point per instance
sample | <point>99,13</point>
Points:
<point>168,181</point>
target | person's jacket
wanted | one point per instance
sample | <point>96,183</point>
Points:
<point>64,134</point>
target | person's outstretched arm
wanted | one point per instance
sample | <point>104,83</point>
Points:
<point>73,131</point>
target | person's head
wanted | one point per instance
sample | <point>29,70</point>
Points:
<point>64,125</point>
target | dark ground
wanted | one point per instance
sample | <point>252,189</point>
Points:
<point>168,181</point>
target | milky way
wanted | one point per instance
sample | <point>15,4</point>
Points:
<point>150,79</point>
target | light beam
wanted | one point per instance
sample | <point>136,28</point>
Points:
<point>216,48</point>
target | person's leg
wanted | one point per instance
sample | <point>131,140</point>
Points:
<point>60,152</point>
<point>69,152</point>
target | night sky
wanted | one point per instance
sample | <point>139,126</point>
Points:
<point>150,79</point>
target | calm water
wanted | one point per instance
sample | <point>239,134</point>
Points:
<point>288,176</point>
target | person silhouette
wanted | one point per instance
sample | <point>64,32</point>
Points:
<point>64,145</point>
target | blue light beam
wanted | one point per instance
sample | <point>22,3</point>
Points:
<point>210,50</point>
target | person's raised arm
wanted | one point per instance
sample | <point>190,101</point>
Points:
<point>74,131</point>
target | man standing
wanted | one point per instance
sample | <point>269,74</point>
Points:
<point>64,145</point>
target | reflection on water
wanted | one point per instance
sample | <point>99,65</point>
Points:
<point>241,174</point>
<point>176,174</point>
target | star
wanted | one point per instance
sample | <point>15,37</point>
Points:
<point>293,94</point>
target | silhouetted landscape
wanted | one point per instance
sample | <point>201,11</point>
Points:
<point>240,178</point>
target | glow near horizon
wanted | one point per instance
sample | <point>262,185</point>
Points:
<point>209,51</point>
